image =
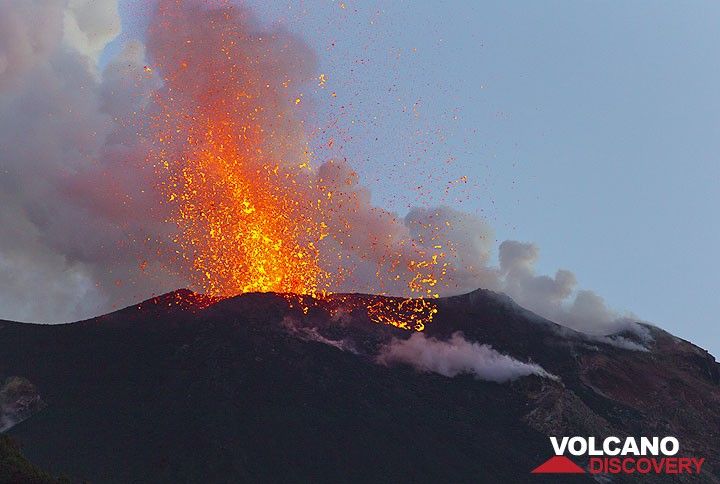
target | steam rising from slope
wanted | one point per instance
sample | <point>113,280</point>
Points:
<point>456,356</point>
<point>83,220</point>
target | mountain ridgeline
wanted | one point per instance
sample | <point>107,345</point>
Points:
<point>256,389</point>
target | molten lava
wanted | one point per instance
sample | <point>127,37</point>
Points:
<point>240,228</point>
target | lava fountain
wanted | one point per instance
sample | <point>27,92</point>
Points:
<point>230,150</point>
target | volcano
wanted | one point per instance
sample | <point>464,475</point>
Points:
<point>266,387</point>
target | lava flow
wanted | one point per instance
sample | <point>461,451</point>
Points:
<point>232,157</point>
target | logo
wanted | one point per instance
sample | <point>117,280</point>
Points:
<point>613,455</point>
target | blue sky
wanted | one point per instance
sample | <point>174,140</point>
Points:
<point>589,128</point>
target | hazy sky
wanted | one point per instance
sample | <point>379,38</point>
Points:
<point>590,129</point>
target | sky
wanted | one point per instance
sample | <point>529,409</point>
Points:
<point>587,128</point>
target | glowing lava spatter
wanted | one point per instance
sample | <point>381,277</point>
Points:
<point>230,149</point>
<point>240,229</point>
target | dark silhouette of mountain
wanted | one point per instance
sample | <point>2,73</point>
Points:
<point>14,468</point>
<point>255,389</point>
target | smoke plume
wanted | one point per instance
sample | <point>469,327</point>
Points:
<point>72,226</point>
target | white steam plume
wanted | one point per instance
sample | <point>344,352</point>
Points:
<point>457,356</point>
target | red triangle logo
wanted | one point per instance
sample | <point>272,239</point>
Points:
<point>558,465</point>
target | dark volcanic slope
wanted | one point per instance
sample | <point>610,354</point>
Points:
<point>234,393</point>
